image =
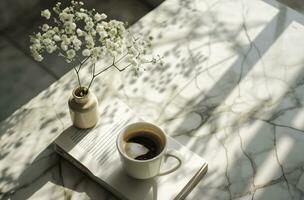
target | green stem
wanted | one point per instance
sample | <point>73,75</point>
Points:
<point>78,78</point>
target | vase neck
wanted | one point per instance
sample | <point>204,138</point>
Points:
<point>78,96</point>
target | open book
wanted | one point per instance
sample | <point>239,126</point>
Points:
<point>94,152</point>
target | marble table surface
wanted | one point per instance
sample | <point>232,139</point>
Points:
<point>231,90</point>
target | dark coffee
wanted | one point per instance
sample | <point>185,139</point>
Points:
<point>148,140</point>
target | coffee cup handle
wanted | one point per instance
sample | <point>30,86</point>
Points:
<point>167,155</point>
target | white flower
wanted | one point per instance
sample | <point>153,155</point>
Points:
<point>93,32</point>
<point>56,38</point>
<point>99,28</point>
<point>79,32</point>
<point>34,39</point>
<point>113,32</point>
<point>66,40</point>
<point>119,50</point>
<point>77,43</point>
<point>90,45</point>
<point>56,29</point>
<point>96,52</point>
<point>72,25</point>
<point>109,43</point>
<point>86,52</point>
<point>102,34</point>
<point>97,17</point>
<point>38,57</point>
<point>38,35</point>
<point>88,38</point>
<point>46,13</point>
<point>36,46</point>
<point>68,29</point>
<point>89,25</point>
<point>50,48</point>
<point>63,46</point>
<point>96,38</point>
<point>71,54</point>
<point>103,16</point>
<point>45,27</point>
<point>85,17</point>
<point>89,41</point>
<point>47,41</point>
<point>63,16</point>
<point>70,17</point>
<point>50,33</point>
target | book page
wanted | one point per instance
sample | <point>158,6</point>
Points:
<point>95,150</point>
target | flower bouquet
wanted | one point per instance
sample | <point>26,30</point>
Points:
<point>81,37</point>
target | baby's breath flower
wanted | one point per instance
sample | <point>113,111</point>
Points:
<point>99,28</point>
<point>72,25</point>
<point>89,25</point>
<point>86,52</point>
<point>102,34</point>
<point>97,17</point>
<point>71,54</point>
<point>66,10</point>
<point>50,33</point>
<point>47,41</point>
<point>50,48</point>
<point>64,38</point>
<point>103,16</point>
<point>93,32</point>
<point>45,27</point>
<point>113,32</point>
<point>56,29</point>
<point>36,46</point>
<point>79,32</point>
<point>38,57</point>
<point>89,41</point>
<point>63,16</point>
<point>34,40</point>
<point>96,52</point>
<point>77,43</point>
<point>46,13</point>
<point>56,38</point>
<point>109,44</point>
<point>85,33</point>
<point>63,46</point>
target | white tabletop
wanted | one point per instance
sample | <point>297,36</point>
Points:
<point>231,90</point>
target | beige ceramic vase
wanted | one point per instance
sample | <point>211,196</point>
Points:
<point>83,109</point>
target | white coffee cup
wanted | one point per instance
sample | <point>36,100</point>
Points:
<point>144,169</point>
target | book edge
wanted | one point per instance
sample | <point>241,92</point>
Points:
<point>86,171</point>
<point>192,182</point>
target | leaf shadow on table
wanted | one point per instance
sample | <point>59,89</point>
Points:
<point>205,105</point>
<point>49,171</point>
<point>233,183</point>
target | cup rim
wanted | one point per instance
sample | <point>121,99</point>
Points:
<point>132,159</point>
